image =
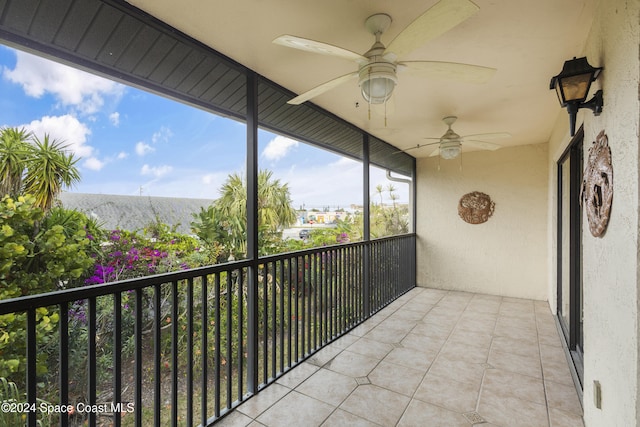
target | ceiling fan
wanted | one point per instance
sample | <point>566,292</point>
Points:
<point>450,144</point>
<point>377,68</point>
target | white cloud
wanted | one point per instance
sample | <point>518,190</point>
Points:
<point>114,118</point>
<point>214,180</point>
<point>143,149</point>
<point>345,162</point>
<point>122,155</point>
<point>71,87</point>
<point>338,183</point>
<point>190,183</point>
<point>156,171</point>
<point>278,147</point>
<point>183,182</point>
<point>163,135</point>
<point>208,179</point>
<point>93,163</point>
<point>65,128</point>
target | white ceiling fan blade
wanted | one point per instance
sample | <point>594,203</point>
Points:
<point>415,148</point>
<point>482,144</point>
<point>318,47</point>
<point>495,135</point>
<point>439,19</point>
<point>451,71</point>
<point>435,152</point>
<point>322,88</point>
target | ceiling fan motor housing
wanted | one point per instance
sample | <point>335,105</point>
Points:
<point>451,142</point>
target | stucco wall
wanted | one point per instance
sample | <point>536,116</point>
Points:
<point>610,263</point>
<point>506,255</point>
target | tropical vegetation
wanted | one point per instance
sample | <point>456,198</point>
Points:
<point>45,247</point>
<point>222,227</point>
<point>30,165</point>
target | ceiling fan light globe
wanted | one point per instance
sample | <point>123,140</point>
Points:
<point>377,91</point>
<point>450,150</point>
<point>377,82</point>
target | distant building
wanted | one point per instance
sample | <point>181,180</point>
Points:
<point>315,216</point>
<point>135,212</point>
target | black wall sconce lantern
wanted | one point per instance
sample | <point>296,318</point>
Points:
<point>572,87</point>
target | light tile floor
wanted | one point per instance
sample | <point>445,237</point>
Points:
<point>431,358</point>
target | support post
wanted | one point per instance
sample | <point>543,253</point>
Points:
<point>366,232</point>
<point>252,231</point>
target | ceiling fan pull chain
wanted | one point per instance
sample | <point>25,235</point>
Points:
<point>385,113</point>
<point>369,100</point>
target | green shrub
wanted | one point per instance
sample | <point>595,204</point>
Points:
<point>37,254</point>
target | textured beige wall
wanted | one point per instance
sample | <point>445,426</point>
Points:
<point>610,263</point>
<point>506,255</point>
<point>514,254</point>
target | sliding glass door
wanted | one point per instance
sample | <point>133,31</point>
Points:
<point>570,313</point>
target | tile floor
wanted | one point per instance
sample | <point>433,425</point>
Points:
<point>431,358</point>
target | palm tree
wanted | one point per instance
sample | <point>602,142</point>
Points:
<point>14,152</point>
<point>275,211</point>
<point>29,165</point>
<point>392,194</point>
<point>379,191</point>
<point>274,203</point>
<point>49,169</point>
<point>389,220</point>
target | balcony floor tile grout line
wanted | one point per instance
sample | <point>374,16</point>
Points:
<point>484,374</point>
<point>423,375</point>
<point>413,396</point>
<point>490,347</point>
<point>542,370</point>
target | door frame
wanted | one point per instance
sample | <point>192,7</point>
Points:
<point>572,333</point>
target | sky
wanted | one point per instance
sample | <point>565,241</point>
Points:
<point>132,142</point>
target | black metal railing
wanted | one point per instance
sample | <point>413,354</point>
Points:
<point>186,348</point>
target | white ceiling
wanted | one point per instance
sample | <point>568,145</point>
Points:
<point>526,41</point>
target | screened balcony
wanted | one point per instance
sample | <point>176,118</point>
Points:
<point>302,348</point>
<point>287,338</point>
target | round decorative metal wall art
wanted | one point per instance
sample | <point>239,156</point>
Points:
<point>476,207</point>
<point>597,185</point>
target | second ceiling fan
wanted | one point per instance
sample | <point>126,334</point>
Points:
<point>377,68</point>
<point>449,145</point>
